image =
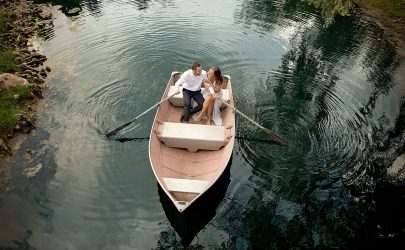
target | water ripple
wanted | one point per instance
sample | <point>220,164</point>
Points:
<point>322,89</point>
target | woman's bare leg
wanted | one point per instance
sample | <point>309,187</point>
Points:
<point>207,103</point>
<point>204,109</point>
<point>209,112</point>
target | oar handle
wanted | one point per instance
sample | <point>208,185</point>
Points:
<point>273,135</point>
<point>113,132</point>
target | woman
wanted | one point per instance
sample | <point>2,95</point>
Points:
<point>212,94</point>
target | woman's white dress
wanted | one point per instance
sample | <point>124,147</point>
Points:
<point>216,112</point>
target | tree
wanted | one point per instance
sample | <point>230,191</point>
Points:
<point>330,8</point>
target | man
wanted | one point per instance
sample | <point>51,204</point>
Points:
<point>191,81</point>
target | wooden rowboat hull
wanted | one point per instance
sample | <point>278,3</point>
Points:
<point>183,174</point>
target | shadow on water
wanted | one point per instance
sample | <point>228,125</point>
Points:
<point>200,213</point>
<point>93,6</point>
<point>28,182</point>
<point>67,7</point>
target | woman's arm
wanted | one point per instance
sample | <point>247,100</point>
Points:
<point>217,87</point>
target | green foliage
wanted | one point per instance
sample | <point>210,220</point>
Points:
<point>7,62</point>
<point>4,20</point>
<point>9,106</point>
<point>331,8</point>
<point>7,59</point>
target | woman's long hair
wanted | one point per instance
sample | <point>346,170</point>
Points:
<point>217,74</point>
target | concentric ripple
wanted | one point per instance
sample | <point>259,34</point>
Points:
<point>333,93</point>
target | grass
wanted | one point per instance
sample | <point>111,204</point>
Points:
<point>9,106</point>
<point>4,20</point>
<point>393,8</point>
<point>7,62</point>
<point>7,59</point>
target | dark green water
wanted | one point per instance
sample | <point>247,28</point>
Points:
<point>336,94</point>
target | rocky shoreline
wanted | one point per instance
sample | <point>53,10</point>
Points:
<point>27,19</point>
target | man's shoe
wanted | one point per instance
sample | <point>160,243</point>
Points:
<point>182,120</point>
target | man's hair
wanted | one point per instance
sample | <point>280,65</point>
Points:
<point>195,65</point>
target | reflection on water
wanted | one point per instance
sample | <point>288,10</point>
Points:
<point>336,94</point>
<point>198,215</point>
<point>74,8</point>
<point>330,107</point>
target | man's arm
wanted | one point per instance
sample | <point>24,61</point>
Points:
<point>205,77</point>
<point>205,81</point>
<point>181,80</point>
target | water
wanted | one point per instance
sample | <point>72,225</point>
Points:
<point>334,93</point>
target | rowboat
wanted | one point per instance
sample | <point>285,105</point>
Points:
<point>188,158</point>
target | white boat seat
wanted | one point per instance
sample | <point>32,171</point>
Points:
<point>177,100</point>
<point>185,185</point>
<point>192,136</point>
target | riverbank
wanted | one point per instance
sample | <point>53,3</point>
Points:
<point>390,15</point>
<point>22,70</point>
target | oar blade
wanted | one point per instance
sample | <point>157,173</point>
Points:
<point>115,131</point>
<point>274,136</point>
<point>111,133</point>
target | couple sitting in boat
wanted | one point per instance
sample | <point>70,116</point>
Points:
<point>208,99</point>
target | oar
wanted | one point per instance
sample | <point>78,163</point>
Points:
<point>272,135</point>
<point>113,132</point>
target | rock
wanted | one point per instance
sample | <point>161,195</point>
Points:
<point>397,169</point>
<point>33,171</point>
<point>38,92</point>
<point>17,128</point>
<point>4,149</point>
<point>43,73</point>
<point>8,80</point>
<point>74,11</point>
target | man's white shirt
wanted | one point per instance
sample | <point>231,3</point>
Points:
<point>191,82</point>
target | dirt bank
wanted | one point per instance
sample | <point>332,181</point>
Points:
<point>393,25</point>
<point>23,23</point>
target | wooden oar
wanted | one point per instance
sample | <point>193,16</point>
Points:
<point>272,135</point>
<point>113,132</point>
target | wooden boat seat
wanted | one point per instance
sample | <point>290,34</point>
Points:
<point>177,100</point>
<point>192,136</point>
<point>185,185</point>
